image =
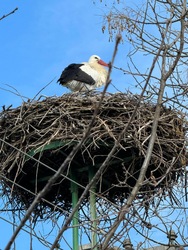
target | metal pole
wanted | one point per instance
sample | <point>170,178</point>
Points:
<point>93,212</point>
<point>74,191</point>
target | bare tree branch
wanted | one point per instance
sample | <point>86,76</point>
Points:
<point>10,13</point>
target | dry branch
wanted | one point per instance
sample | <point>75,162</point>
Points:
<point>10,13</point>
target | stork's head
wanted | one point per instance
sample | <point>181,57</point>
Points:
<point>97,59</point>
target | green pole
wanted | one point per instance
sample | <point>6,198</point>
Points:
<point>93,212</point>
<point>74,191</point>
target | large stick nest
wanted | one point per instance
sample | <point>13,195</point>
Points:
<point>38,136</point>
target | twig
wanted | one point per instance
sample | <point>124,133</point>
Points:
<point>43,89</point>
<point>15,93</point>
<point>10,13</point>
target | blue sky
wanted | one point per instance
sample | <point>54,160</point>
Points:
<point>42,38</point>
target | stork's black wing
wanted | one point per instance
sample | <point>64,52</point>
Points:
<point>74,72</point>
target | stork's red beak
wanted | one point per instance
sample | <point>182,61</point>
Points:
<point>103,63</point>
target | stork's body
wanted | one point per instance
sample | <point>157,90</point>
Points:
<point>84,76</point>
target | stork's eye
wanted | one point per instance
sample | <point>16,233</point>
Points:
<point>96,58</point>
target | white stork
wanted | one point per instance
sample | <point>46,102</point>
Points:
<point>84,76</point>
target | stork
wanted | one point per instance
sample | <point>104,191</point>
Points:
<point>85,76</point>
